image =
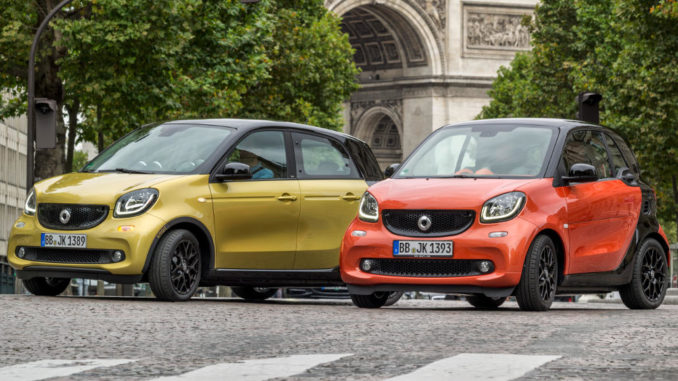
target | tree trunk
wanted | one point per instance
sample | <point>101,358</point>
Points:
<point>73,110</point>
<point>100,134</point>
<point>675,200</point>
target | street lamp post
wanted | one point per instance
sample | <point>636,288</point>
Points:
<point>30,133</point>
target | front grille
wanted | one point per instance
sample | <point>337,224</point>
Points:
<point>58,255</point>
<point>426,268</point>
<point>443,222</point>
<point>81,216</point>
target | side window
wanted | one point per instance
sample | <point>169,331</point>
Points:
<point>584,146</point>
<point>615,155</point>
<point>628,154</point>
<point>264,152</point>
<point>365,160</point>
<point>322,158</point>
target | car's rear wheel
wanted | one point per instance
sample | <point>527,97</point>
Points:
<point>393,298</point>
<point>374,300</point>
<point>537,287</point>
<point>254,293</point>
<point>175,270</point>
<point>485,302</point>
<point>649,281</point>
<point>46,286</point>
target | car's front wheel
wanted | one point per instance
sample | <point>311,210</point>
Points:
<point>537,287</point>
<point>46,286</point>
<point>254,293</point>
<point>485,302</point>
<point>374,300</point>
<point>393,298</point>
<point>649,281</point>
<point>175,270</point>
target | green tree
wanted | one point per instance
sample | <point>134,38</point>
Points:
<point>123,63</point>
<point>624,49</point>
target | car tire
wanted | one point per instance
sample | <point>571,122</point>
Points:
<point>649,281</point>
<point>46,286</point>
<point>176,266</point>
<point>374,300</point>
<point>254,293</point>
<point>393,298</point>
<point>538,282</point>
<point>485,302</point>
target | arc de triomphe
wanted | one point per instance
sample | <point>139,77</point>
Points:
<point>425,63</point>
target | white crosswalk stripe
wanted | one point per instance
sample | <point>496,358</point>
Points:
<point>465,366</point>
<point>258,370</point>
<point>40,370</point>
<point>476,366</point>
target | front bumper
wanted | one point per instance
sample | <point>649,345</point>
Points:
<point>135,243</point>
<point>506,253</point>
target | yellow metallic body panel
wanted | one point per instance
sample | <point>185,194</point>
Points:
<point>179,196</point>
<point>327,208</point>
<point>256,223</point>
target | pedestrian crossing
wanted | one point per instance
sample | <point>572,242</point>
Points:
<point>465,366</point>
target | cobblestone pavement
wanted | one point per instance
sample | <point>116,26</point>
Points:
<point>594,341</point>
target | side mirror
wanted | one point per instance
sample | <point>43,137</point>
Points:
<point>390,170</point>
<point>581,173</point>
<point>234,171</point>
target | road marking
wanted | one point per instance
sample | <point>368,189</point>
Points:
<point>475,366</point>
<point>40,370</point>
<point>257,370</point>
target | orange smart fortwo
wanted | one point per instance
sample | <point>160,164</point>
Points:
<point>526,207</point>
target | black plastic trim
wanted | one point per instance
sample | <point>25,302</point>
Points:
<point>444,289</point>
<point>30,272</point>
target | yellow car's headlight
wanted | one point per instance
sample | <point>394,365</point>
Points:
<point>135,202</point>
<point>31,203</point>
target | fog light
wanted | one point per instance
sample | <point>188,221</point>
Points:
<point>21,253</point>
<point>367,265</point>
<point>498,234</point>
<point>358,233</point>
<point>485,266</point>
<point>117,256</point>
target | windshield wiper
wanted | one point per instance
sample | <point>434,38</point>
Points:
<point>463,176</point>
<point>124,170</point>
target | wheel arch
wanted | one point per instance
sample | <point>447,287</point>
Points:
<point>198,229</point>
<point>662,241</point>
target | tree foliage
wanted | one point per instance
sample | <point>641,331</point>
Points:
<point>623,49</point>
<point>124,63</point>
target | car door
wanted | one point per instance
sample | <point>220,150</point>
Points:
<point>602,214</point>
<point>330,187</point>
<point>256,219</point>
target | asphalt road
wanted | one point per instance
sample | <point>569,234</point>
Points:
<point>330,340</point>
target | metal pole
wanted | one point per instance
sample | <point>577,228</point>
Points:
<point>30,133</point>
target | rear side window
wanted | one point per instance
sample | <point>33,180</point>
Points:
<point>616,156</point>
<point>365,160</point>
<point>585,146</point>
<point>628,154</point>
<point>322,158</point>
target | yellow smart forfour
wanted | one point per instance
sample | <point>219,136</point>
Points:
<point>251,204</point>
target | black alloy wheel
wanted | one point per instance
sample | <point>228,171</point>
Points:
<point>175,269</point>
<point>649,281</point>
<point>485,302</point>
<point>254,293</point>
<point>46,286</point>
<point>538,282</point>
<point>374,300</point>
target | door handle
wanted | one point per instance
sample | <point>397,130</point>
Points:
<point>287,197</point>
<point>350,197</point>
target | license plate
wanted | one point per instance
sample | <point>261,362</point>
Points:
<point>422,248</point>
<point>63,240</point>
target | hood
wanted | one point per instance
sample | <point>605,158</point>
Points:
<point>454,193</point>
<point>93,188</point>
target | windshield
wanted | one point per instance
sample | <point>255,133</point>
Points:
<point>481,151</point>
<point>164,148</point>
